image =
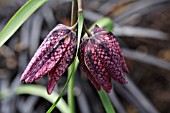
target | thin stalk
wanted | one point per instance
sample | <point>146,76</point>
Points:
<point>86,30</point>
<point>80,13</point>
<point>73,27</point>
<point>74,12</point>
<point>80,21</point>
<point>71,102</point>
<point>80,9</point>
<point>70,94</point>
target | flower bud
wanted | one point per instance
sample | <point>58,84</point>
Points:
<point>54,56</point>
<point>101,59</point>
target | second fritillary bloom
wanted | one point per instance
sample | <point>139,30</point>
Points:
<point>101,59</point>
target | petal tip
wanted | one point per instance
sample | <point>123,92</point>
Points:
<point>22,78</point>
<point>122,81</point>
<point>49,91</point>
<point>108,91</point>
<point>51,85</point>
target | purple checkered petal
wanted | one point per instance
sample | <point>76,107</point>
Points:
<point>84,67</point>
<point>103,58</point>
<point>95,60</point>
<point>51,49</point>
<point>61,66</point>
<point>112,44</point>
<point>56,48</point>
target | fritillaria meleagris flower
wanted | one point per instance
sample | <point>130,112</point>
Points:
<point>101,59</point>
<point>54,55</point>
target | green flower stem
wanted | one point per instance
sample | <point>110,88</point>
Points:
<point>61,94</point>
<point>75,64</point>
<point>72,69</point>
<point>106,102</point>
<point>70,94</point>
<point>71,72</point>
<point>74,12</point>
<point>86,30</point>
<point>79,5</point>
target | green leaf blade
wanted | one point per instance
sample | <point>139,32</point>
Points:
<point>80,27</point>
<point>105,22</point>
<point>39,91</point>
<point>106,102</point>
<point>19,18</point>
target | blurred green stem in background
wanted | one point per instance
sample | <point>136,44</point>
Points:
<point>39,91</point>
<point>76,5</point>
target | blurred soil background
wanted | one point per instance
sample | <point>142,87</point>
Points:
<point>141,26</point>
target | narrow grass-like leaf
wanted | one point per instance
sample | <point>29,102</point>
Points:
<point>39,91</point>
<point>146,58</point>
<point>106,102</point>
<point>105,23</point>
<point>80,28</point>
<point>19,18</point>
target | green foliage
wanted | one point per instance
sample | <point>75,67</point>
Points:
<point>104,23</point>
<point>19,18</point>
<point>106,102</point>
<point>39,91</point>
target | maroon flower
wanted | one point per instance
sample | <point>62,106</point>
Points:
<point>101,59</point>
<point>54,55</point>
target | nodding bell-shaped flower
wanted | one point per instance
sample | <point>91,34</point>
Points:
<point>54,56</point>
<point>101,59</point>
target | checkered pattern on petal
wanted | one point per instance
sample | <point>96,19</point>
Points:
<point>85,68</point>
<point>54,55</point>
<point>101,55</point>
